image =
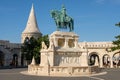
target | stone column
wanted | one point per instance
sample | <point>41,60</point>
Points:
<point>76,43</point>
<point>43,58</point>
<point>66,43</point>
<point>56,41</point>
<point>101,62</point>
<point>111,63</point>
<point>84,59</point>
<point>50,58</point>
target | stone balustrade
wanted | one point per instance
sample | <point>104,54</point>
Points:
<point>7,44</point>
<point>96,44</point>
<point>62,70</point>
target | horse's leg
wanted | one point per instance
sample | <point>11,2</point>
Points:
<point>69,25</point>
<point>72,23</point>
<point>57,25</point>
<point>66,25</point>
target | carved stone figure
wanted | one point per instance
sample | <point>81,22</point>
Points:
<point>44,45</point>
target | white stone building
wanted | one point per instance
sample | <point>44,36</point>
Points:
<point>102,51</point>
<point>96,50</point>
<point>9,53</point>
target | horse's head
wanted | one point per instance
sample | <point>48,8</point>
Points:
<point>54,13</point>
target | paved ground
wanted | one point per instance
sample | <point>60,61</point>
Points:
<point>14,74</point>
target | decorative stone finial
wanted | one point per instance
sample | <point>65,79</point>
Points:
<point>33,61</point>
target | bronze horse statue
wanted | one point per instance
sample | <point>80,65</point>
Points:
<point>62,20</point>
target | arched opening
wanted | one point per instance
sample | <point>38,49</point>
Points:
<point>71,43</point>
<point>61,42</point>
<point>106,60</point>
<point>93,57</point>
<point>1,58</point>
<point>116,59</point>
<point>26,39</point>
<point>15,60</point>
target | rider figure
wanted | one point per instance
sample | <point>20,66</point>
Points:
<point>63,11</point>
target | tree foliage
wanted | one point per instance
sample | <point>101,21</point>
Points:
<point>31,47</point>
<point>117,41</point>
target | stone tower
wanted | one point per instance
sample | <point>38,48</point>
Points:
<point>31,29</point>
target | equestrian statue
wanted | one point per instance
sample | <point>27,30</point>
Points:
<point>62,20</point>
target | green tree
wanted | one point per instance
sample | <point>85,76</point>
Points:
<point>44,38</point>
<point>27,49</point>
<point>31,47</point>
<point>117,41</point>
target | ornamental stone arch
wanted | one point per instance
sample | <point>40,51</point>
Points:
<point>116,59</point>
<point>106,60</point>
<point>92,57</point>
<point>15,60</point>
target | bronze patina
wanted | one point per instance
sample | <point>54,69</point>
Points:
<point>62,20</point>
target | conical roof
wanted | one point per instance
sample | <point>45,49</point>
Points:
<point>31,26</point>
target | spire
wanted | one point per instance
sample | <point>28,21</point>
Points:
<point>31,26</point>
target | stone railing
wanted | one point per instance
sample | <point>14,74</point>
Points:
<point>32,69</point>
<point>62,70</point>
<point>7,44</point>
<point>74,70</point>
<point>96,44</point>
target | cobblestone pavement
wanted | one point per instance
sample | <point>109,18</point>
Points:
<point>14,74</point>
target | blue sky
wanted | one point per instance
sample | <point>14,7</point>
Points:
<point>94,19</point>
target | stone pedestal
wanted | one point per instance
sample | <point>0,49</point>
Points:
<point>44,58</point>
<point>63,57</point>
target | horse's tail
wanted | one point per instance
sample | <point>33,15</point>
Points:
<point>72,22</point>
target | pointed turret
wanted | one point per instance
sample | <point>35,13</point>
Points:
<point>31,29</point>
